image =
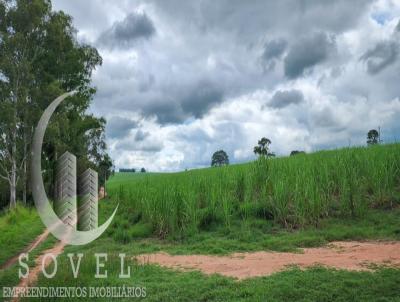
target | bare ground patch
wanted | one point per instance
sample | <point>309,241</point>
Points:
<point>341,255</point>
<point>40,262</point>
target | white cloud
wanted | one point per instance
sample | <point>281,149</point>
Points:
<point>202,82</point>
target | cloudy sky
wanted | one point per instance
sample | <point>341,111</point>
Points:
<point>182,79</point>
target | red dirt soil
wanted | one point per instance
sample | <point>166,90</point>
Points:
<point>340,255</point>
<point>37,269</point>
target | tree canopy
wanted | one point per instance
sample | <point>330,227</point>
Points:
<point>219,158</point>
<point>373,137</point>
<point>41,59</point>
<point>262,149</point>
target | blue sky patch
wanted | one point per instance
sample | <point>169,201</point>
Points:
<point>381,17</point>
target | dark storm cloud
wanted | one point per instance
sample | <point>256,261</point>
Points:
<point>283,98</point>
<point>177,105</point>
<point>381,56</point>
<point>166,111</point>
<point>307,53</point>
<point>118,127</point>
<point>124,33</point>
<point>202,98</point>
<point>199,54</point>
<point>251,18</point>
<point>173,81</point>
<point>273,50</point>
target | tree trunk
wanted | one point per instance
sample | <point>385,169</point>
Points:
<point>13,186</point>
<point>24,184</point>
<point>25,170</point>
<point>13,175</point>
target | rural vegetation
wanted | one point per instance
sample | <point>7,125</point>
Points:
<point>373,137</point>
<point>295,192</point>
<point>272,203</point>
<point>262,149</point>
<point>40,59</point>
<point>219,158</point>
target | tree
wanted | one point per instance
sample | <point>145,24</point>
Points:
<point>219,158</point>
<point>21,33</point>
<point>296,152</point>
<point>373,137</point>
<point>105,169</point>
<point>143,170</point>
<point>262,149</point>
<point>39,60</point>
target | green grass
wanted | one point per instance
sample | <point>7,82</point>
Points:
<point>281,204</point>
<point>220,210</point>
<point>314,284</point>
<point>295,192</point>
<point>18,228</point>
<point>125,178</point>
<point>9,276</point>
<point>251,235</point>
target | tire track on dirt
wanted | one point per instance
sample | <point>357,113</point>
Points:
<point>34,272</point>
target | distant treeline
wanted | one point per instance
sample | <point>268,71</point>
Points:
<point>127,170</point>
<point>131,170</point>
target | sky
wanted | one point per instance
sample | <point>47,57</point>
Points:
<point>183,79</point>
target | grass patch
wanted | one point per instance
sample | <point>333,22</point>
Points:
<point>9,276</point>
<point>281,204</point>
<point>255,234</point>
<point>18,228</point>
<point>294,192</point>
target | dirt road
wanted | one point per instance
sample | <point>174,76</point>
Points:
<point>341,255</point>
